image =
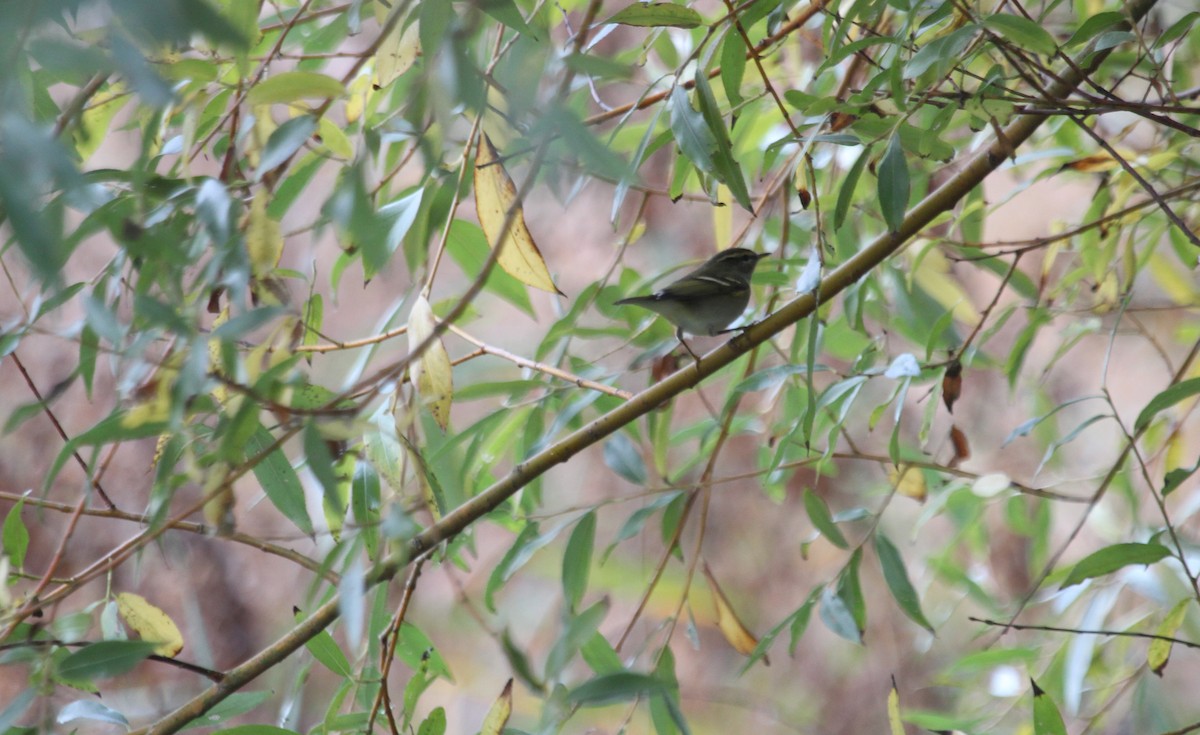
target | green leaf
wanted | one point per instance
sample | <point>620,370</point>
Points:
<point>104,659</point>
<point>15,536</point>
<point>238,703</point>
<point>254,730</point>
<point>87,709</point>
<point>279,480</point>
<point>290,86</point>
<point>733,66</point>
<point>469,248</point>
<point>623,686</point>
<point>1111,558</point>
<point>1046,718</point>
<point>507,12</point>
<point>434,724</point>
<point>940,54</point>
<point>577,559</point>
<point>690,131</point>
<point>284,142</point>
<point>849,184</point>
<point>656,15</point>
<point>1166,399</point>
<point>893,184</point>
<point>527,543</point>
<point>837,615</point>
<point>600,655</point>
<point>415,649</point>
<point>1022,32</point>
<point>897,580</point>
<point>818,513</point>
<point>320,463</point>
<point>622,456</point>
<point>725,167</point>
<point>326,650</point>
<point>578,631</point>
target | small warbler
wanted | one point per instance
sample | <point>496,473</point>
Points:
<point>708,299</point>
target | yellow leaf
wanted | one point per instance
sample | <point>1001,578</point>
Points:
<point>431,371</point>
<point>356,102</point>
<point>398,52</point>
<point>1160,650</point>
<point>150,623</point>
<point>335,139</point>
<point>264,238</point>
<point>498,715</point>
<point>893,710</point>
<point>219,391</point>
<point>1175,280</point>
<point>742,640</point>
<point>932,273</point>
<point>218,510</point>
<point>94,120</point>
<point>909,481</point>
<point>494,196</point>
<point>152,399</point>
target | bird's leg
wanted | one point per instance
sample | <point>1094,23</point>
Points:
<point>679,335</point>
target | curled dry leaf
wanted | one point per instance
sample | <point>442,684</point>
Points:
<point>150,623</point>
<point>952,384</point>
<point>431,371</point>
<point>742,640</point>
<point>962,448</point>
<point>494,196</point>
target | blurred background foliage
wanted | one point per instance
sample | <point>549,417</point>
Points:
<point>255,340</point>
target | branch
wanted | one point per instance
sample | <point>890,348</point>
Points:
<point>941,200</point>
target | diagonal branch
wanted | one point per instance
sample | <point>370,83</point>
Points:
<point>941,200</point>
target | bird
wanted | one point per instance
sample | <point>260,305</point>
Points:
<point>706,300</point>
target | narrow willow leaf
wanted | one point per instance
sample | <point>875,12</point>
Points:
<point>577,559</point>
<point>849,183</point>
<point>284,142</point>
<point>1160,648</point>
<point>1046,718</point>
<point>495,195</point>
<point>735,632</point>
<point>893,710</point>
<point>1166,399</point>
<point>279,481</point>
<point>432,372</point>
<point>818,513</point>
<point>725,166</point>
<point>497,716</point>
<point>104,659</point>
<point>264,237</point>
<point>87,709</point>
<point>1022,32</point>
<point>622,456</point>
<point>656,15</point>
<point>290,86</point>
<point>837,616</point>
<point>898,582</point>
<point>150,623</point>
<point>15,536</point>
<point>623,686</point>
<point>1112,558</point>
<point>893,184</point>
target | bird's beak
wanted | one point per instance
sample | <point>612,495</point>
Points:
<point>762,255</point>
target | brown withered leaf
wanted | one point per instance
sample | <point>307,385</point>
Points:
<point>742,640</point>
<point>952,384</point>
<point>962,448</point>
